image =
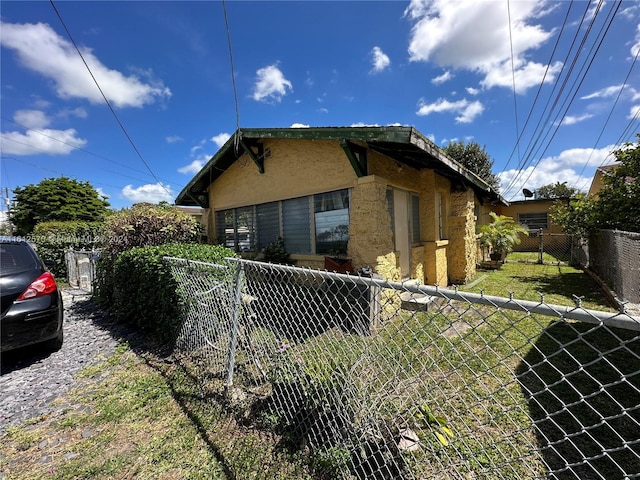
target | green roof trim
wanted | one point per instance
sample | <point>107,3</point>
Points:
<point>401,143</point>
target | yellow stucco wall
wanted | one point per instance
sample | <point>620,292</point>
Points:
<point>303,167</point>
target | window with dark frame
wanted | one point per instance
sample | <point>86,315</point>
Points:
<point>534,221</point>
<point>254,227</point>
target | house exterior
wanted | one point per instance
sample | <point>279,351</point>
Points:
<point>385,197</point>
<point>534,214</point>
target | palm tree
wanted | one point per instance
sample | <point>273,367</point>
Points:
<point>501,235</point>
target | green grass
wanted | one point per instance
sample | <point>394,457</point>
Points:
<point>332,404</point>
<point>557,284</point>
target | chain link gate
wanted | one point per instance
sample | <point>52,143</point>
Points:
<point>375,379</point>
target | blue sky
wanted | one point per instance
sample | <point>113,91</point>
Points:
<point>548,88</point>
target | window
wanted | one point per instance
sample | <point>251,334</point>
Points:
<point>268,219</point>
<point>296,223</point>
<point>236,228</point>
<point>323,230</point>
<point>332,222</point>
<point>534,221</point>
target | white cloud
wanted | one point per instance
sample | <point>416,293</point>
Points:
<point>634,112</point>
<point>477,36</point>
<point>299,125</point>
<point>151,193</point>
<point>193,168</point>
<point>73,112</point>
<point>636,45</point>
<point>467,110</point>
<point>270,84</point>
<point>40,49</point>
<point>568,167</point>
<point>174,139</point>
<point>573,119</point>
<point>472,91</point>
<point>101,192</point>
<point>31,118</point>
<point>40,140</point>
<point>323,110</point>
<point>605,92</point>
<point>446,76</point>
<point>526,75</point>
<point>221,138</point>
<point>379,59</point>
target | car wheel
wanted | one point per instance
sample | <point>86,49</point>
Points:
<point>55,344</point>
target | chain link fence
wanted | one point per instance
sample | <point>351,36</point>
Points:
<point>614,256</point>
<point>544,248</point>
<point>370,379</point>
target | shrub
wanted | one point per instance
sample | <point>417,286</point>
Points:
<point>145,292</point>
<point>142,225</point>
<point>54,238</point>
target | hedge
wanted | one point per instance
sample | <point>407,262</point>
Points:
<point>145,292</point>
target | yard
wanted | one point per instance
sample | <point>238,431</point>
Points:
<point>481,393</point>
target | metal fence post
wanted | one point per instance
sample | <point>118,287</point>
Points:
<point>540,247</point>
<point>235,321</point>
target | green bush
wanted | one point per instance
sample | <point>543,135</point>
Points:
<point>145,292</point>
<point>142,225</point>
<point>52,239</point>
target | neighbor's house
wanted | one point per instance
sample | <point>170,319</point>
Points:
<point>534,214</point>
<point>385,197</point>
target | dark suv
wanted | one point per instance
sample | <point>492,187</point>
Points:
<point>32,310</point>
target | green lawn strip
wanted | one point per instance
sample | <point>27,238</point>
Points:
<point>135,430</point>
<point>528,281</point>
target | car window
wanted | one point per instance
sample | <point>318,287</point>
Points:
<point>16,258</point>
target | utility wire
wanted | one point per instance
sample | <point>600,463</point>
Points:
<point>124,130</point>
<point>543,142</point>
<point>513,78</point>
<point>575,92</point>
<point>45,151</point>
<point>237,134</point>
<point>537,96</point>
<point>540,125</point>
<point>595,145</point>
<point>74,147</point>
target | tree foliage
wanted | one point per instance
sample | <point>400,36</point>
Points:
<point>555,190</point>
<point>142,225</point>
<point>616,205</point>
<point>474,158</point>
<point>56,200</point>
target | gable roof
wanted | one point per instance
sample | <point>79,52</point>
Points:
<point>403,144</point>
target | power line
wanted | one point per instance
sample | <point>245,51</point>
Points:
<point>574,88</point>
<point>106,100</point>
<point>595,145</point>
<point>45,151</point>
<point>537,132</point>
<point>535,100</point>
<point>513,77</point>
<point>74,147</point>
<point>237,134</point>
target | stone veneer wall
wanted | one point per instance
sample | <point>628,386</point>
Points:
<point>461,254</point>
<point>370,239</point>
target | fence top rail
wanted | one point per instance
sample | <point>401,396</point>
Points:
<point>196,262</point>
<point>620,319</point>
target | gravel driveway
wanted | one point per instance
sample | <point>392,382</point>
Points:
<point>31,380</point>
